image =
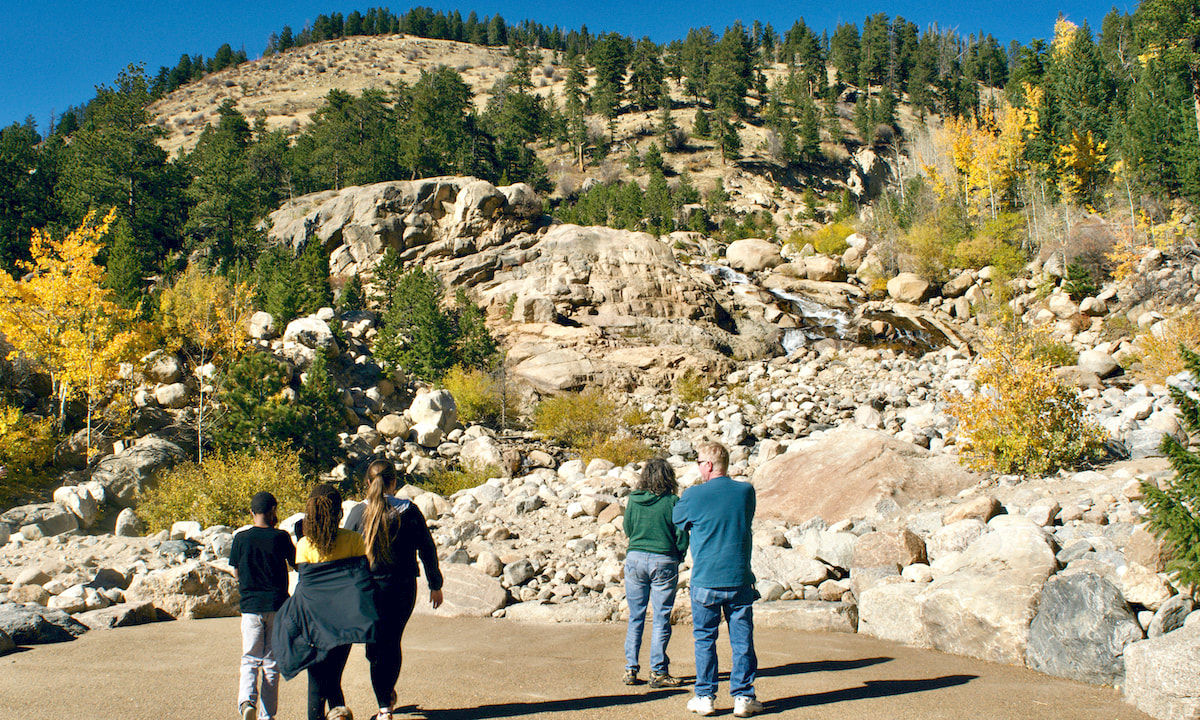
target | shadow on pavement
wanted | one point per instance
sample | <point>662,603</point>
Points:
<point>870,689</point>
<point>798,668</point>
<point>517,709</point>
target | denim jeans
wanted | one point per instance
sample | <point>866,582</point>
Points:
<point>650,580</point>
<point>737,606</point>
<point>257,657</point>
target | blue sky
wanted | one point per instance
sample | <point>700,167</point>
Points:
<point>55,52</point>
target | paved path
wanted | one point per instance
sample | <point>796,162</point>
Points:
<point>459,669</point>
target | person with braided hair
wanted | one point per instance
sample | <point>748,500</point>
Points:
<point>332,608</point>
<point>395,534</point>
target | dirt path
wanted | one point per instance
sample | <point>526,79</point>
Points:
<point>458,669</point>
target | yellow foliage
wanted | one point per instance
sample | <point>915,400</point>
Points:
<point>691,387</point>
<point>987,156</point>
<point>205,316</point>
<point>60,316</point>
<point>26,448</point>
<point>1081,163</point>
<point>218,491</point>
<point>1157,351</point>
<point>1021,419</point>
<point>576,419</point>
<point>479,396</point>
<point>446,481</point>
<point>928,250</point>
<point>620,450</point>
<point>1064,33</point>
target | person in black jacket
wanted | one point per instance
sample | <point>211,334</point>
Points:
<point>333,606</point>
<point>394,533</point>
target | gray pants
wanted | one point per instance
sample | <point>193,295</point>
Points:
<point>257,656</point>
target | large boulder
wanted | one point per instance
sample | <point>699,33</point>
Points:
<point>311,332</point>
<point>1162,675</point>
<point>49,518</point>
<point>189,591</point>
<point>980,606</point>
<point>983,606</point>
<point>35,625</point>
<point>436,408</point>
<point>1081,630</point>
<point>789,567</point>
<point>807,616</point>
<point>119,615</point>
<point>753,255</point>
<point>908,287</point>
<point>848,472</point>
<point>127,473</point>
<point>468,592</point>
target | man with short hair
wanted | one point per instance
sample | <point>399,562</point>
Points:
<point>717,513</point>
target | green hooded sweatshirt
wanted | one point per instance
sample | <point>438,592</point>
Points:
<point>649,527</point>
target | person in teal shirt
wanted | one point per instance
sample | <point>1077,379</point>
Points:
<point>656,548</point>
<point>717,514</point>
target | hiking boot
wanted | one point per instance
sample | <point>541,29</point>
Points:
<point>246,711</point>
<point>701,705</point>
<point>663,680</point>
<point>746,706</point>
<point>631,677</point>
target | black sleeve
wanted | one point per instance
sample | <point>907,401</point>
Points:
<point>236,552</point>
<point>426,549</point>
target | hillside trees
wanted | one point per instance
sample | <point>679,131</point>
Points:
<point>27,176</point>
<point>114,161</point>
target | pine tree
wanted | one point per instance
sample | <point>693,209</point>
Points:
<point>1175,509</point>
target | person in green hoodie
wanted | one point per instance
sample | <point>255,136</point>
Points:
<point>656,548</point>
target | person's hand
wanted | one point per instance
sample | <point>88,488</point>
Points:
<point>435,598</point>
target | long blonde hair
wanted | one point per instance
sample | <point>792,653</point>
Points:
<point>380,477</point>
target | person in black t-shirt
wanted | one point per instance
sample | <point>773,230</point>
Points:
<point>260,558</point>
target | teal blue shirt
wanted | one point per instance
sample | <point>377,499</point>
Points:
<point>717,515</point>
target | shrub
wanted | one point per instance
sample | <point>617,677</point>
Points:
<point>26,447</point>
<point>690,387</point>
<point>985,249</point>
<point>447,481</point>
<point>929,251</point>
<point>1157,351</point>
<point>1021,418</point>
<point>576,419</point>
<point>1175,509</point>
<point>620,449</point>
<point>479,396</point>
<point>829,239</point>
<point>218,491</point>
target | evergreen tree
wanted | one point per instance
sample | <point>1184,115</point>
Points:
<point>225,191</point>
<point>646,75</point>
<point>702,127</point>
<point>1175,509</point>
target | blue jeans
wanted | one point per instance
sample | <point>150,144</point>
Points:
<point>650,580</point>
<point>737,605</point>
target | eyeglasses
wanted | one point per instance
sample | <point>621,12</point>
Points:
<point>701,462</point>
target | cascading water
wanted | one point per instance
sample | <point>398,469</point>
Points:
<point>820,321</point>
<point>823,321</point>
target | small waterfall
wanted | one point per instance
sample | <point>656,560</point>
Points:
<point>820,321</point>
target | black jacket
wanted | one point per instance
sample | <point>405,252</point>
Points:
<point>334,605</point>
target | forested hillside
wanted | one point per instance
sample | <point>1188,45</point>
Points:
<point>1084,118</point>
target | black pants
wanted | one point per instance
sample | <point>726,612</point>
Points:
<point>325,682</point>
<point>394,599</point>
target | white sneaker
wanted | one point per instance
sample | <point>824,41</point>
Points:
<point>746,706</point>
<point>701,705</point>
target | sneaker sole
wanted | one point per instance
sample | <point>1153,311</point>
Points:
<point>249,713</point>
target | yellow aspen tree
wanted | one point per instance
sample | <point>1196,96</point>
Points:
<point>1081,165</point>
<point>61,318</point>
<point>205,317</point>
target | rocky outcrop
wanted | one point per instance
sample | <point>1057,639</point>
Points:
<point>124,475</point>
<point>849,473</point>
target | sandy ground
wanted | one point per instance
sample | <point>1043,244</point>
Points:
<point>497,669</point>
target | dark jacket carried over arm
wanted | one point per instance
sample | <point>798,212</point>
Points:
<point>334,605</point>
